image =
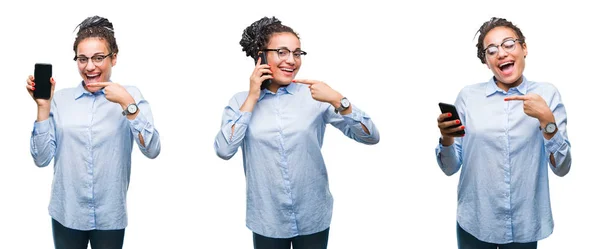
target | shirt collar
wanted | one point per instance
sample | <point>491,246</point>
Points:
<point>492,88</point>
<point>80,91</point>
<point>289,89</point>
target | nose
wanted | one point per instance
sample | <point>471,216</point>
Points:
<point>502,53</point>
<point>290,59</point>
<point>90,66</point>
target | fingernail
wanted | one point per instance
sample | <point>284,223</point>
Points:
<point>449,114</point>
<point>462,127</point>
<point>463,135</point>
<point>504,99</point>
<point>457,122</point>
<point>293,80</point>
<point>33,88</point>
<point>32,84</point>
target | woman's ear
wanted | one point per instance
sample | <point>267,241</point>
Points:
<point>113,59</point>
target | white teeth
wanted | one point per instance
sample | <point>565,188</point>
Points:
<point>505,63</point>
<point>287,69</point>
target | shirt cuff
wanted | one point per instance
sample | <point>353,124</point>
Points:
<point>139,123</point>
<point>554,144</point>
<point>41,127</point>
<point>355,117</point>
<point>242,118</point>
<point>444,150</point>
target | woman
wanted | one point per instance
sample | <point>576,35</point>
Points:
<point>514,128</point>
<point>89,131</point>
<point>280,129</point>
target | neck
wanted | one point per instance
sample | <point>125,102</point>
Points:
<point>506,86</point>
<point>273,87</point>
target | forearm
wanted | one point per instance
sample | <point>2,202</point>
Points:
<point>126,102</point>
<point>42,143</point>
<point>357,125</point>
<point>145,135</point>
<point>248,105</point>
<point>448,158</point>
<point>232,133</point>
<point>558,152</point>
<point>43,113</point>
<point>556,144</point>
<point>348,111</point>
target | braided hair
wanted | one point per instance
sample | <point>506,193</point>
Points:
<point>98,27</point>
<point>256,36</point>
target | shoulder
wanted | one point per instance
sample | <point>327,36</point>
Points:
<point>542,86</point>
<point>238,98</point>
<point>475,87</point>
<point>468,90</point>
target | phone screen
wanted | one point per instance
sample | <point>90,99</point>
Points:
<point>42,75</point>
<point>445,108</point>
<point>263,60</point>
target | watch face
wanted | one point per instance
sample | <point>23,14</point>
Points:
<point>132,108</point>
<point>345,103</point>
<point>550,128</point>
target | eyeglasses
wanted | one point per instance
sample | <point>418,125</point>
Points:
<point>508,45</point>
<point>284,53</point>
<point>96,59</point>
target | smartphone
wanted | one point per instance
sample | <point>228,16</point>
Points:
<point>42,75</point>
<point>263,60</point>
<point>445,108</point>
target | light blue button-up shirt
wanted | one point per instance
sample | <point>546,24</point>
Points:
<point>503,194</point>
<point>91,143</point>
<point>286,180</point>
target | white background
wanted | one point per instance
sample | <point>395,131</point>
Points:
<point>396,62</point>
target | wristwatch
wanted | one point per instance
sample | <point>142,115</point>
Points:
<point>344,104</point>
<point>550,128</point>
<point>131,109</point>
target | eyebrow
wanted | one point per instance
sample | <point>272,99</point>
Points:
<point>297,49</point>
<point>97,53</point>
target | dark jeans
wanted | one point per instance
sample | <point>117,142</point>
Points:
<point>67,238</point>
<point>468,241</point>
<point>311,241</point>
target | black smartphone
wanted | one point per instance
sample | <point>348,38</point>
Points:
<point>263,60</point>
<point>445,108</point>
<point>42,75</point>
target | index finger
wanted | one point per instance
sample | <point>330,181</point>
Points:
<point>444,116</point>
<point>516,97</point>
<point>99,84</point>
<point>258,61</point>
<point>307,82</point>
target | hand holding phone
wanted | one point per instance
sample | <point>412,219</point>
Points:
<point>450,125</point>
<point>42,87</point>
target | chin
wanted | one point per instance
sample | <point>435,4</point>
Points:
<point>282,83</point>
<point>508,80</point>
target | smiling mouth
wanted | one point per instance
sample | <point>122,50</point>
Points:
<point>507,66</point>
<point>288,70</point>
<point>93,77</point>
